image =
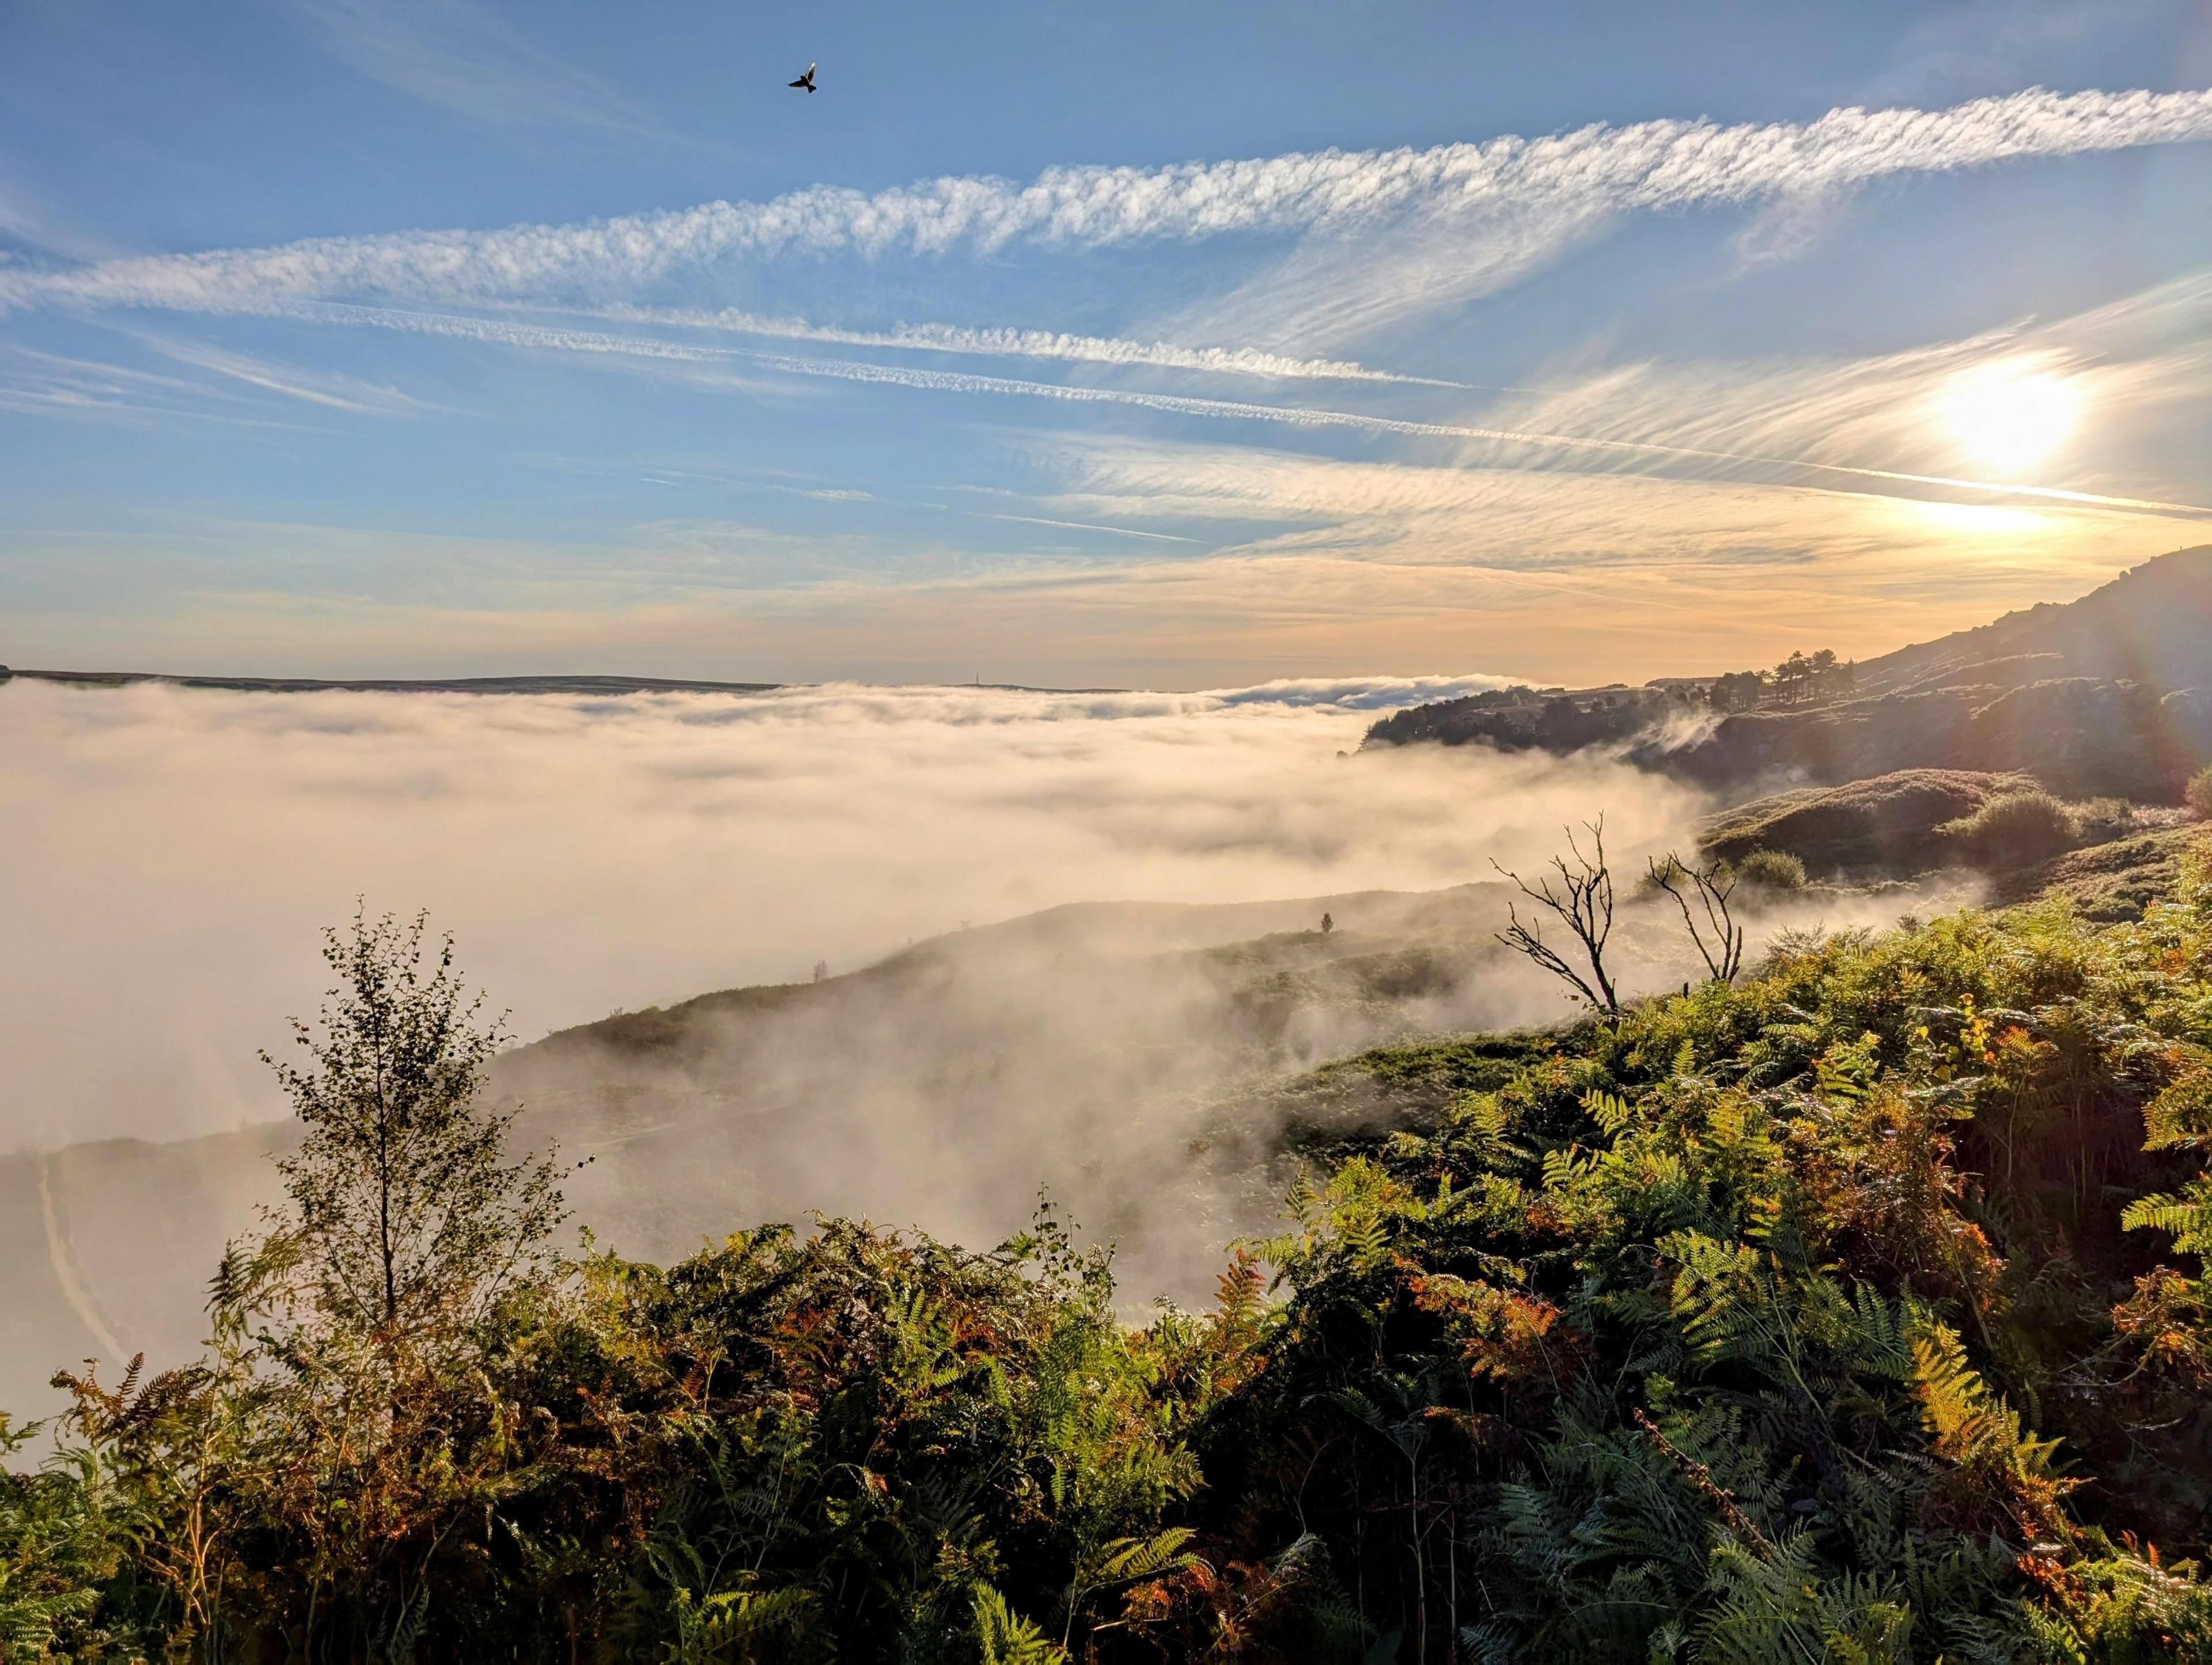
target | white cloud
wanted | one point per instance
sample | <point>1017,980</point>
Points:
<point>1487,210</point>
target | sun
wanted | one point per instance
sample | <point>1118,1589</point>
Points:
<point>2009,417</point>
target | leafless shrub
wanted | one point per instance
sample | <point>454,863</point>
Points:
<point>1585,908</point>
<point>1718,938</point>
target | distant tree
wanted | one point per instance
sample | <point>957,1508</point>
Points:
<point>821,970</point>
<point>1802,678</point>
<point>1328,925</point>
<point>1718,938</point>
<point>1794,680</point>
<point>406,1222</point>
<point>1560,721</point>
<point>1584,903</point>
<point>1739,690</point>
<point>1830,675</point>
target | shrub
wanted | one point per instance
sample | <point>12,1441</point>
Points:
<point>2198,794</point>
<point>2025,827</point>
<point>2103,818</point>
<point>1771,870</point>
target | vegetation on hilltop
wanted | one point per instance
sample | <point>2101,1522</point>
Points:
<point>1854,1310</point>
<point>2110,694</point>
<point>1890,823</point>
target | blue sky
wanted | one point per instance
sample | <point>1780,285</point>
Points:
<point>1121,344</point>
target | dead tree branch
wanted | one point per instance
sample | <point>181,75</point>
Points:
<point>1719,939</point>
<point>1586,909</point>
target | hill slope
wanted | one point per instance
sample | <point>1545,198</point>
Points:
<point>1079,1047</point>
<point>2153,624</point>
<point>1147,1061</point>
<point>2110,694</point>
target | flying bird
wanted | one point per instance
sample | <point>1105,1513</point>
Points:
<point>807,79</point>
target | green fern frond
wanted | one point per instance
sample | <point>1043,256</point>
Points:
<point>1003,1636</point>
<point>2187,1219</point>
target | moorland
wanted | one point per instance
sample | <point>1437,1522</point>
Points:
<point>1841,1299</point>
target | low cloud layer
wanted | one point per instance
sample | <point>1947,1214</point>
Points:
<point>170,853</point>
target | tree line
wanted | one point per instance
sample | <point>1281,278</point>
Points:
<point>1801,679</point>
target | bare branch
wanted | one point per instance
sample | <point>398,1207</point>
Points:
<point>1719,939</point>
<point>1585,908</point>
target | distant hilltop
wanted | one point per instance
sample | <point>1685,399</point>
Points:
<point>2108,694</point>
<point>553,685</point>
<point>400,686</point>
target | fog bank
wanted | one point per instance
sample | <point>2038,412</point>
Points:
<point>167,855</point>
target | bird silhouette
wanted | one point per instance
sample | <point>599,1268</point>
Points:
<point>807,79</point>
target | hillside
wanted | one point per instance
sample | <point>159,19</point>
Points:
<point>2110,694</point>
<point>1079,1047</point>
<point>1854,1311</point>
<point>1147,1061</point>
<point>2152,625</point>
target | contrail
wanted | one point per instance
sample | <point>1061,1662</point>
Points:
<point>1003,342</point>
<point>597,342</point>
<point>1303,417</point>
<point>1080,525</point>
<point>1565,179</point>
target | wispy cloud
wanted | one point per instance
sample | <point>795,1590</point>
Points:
<point>1616,445</point>
<point>459,56</point>
<point>1293,505</point>
<point>60,384</point>
<point>66,386</point>
<point>335,392</point>
<point>26,218</point>
<point>1025,343</point>
<point>1835,475</point>
<point>1080,525</point>
<point>1883,416</point>
<point>1823,409</point>
<point>1499,206</point>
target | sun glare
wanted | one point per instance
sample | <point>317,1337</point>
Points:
<point>2008,418</point>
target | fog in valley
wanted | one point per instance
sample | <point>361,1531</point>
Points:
<point>171,854</point>
<point>1071,942</point>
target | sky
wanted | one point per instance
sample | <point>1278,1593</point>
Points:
<point>1098,345</point>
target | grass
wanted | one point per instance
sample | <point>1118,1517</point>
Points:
<point>1887,824</point>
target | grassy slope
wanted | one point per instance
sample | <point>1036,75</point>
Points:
<point>1854,1312</point>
